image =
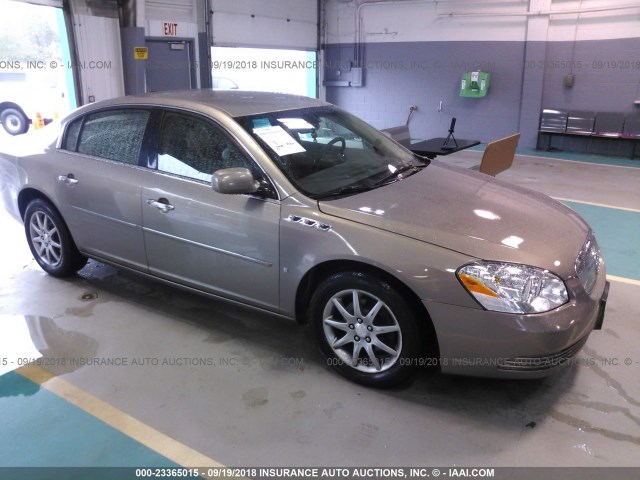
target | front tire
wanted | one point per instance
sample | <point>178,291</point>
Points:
<point>50,241</point>
<point>14,121</point>
<point>365,329</point>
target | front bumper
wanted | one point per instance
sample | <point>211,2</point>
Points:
<point>493,344</point>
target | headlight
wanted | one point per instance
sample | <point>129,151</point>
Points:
<point>513,288</point>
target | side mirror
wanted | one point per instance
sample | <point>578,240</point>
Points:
<point>234,181</point>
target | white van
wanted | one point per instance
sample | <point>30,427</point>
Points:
<point>20,102</point>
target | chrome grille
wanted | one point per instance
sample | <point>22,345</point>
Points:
<point>588,263</point>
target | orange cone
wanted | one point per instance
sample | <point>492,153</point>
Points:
<point>38,122</point>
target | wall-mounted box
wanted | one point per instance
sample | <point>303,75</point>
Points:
<point>569,80</point>
<point>474,84</point>
<point>343,75</point>
<point>356,77</point>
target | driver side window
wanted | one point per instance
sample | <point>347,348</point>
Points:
<point>194,148</point>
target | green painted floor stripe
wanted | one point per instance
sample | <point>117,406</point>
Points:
<point>618,233</point>
<point>41,429</point>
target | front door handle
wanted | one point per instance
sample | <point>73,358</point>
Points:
<point>161,204</point>
<point>68,179</point>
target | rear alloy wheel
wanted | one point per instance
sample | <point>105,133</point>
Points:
<point>14,121</point>
<point>365,329</point>
<point>50,241</point>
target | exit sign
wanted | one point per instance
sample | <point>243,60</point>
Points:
<point>170,29</point>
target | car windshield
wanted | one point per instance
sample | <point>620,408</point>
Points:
<point>326,152</point>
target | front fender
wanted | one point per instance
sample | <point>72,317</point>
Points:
<point>428,270</point>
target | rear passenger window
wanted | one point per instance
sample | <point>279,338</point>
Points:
<point>195,148</point>
<point>114,135</point>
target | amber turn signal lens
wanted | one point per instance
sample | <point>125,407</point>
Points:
<point>475,286</point>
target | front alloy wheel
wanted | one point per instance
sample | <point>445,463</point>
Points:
<point>365,329</point>
<point>362,331</point>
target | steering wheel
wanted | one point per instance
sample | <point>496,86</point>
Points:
<point>331,142</point>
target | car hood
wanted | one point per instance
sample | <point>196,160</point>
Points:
<point>471,213</point>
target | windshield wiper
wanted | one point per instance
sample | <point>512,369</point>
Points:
<point>346,191</point>
<point>397,173</point>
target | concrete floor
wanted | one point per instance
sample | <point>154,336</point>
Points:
<point>264,397</point>
<point>597,183</point>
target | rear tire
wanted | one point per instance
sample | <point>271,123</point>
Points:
<point>50,241</point>
<point>365,329</point>
<point>14,121</point>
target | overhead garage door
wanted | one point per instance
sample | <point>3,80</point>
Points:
<point>288,24</point>
<point>267,46</point>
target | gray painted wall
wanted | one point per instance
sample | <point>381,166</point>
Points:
<point>525,77</point>
<point>133,70</point>
<point>607,75</point>
<point>397,75</point>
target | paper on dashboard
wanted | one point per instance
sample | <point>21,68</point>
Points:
<point>279,140</point>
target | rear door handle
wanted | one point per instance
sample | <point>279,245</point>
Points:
<point>161,204</point>
<point>68,179</point>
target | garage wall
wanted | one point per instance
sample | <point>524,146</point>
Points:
<point>290,24</point>
<point>414,53</point>
<point>606,57</point>
<point>98,39</point>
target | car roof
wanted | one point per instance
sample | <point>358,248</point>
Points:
<point>236,103</point>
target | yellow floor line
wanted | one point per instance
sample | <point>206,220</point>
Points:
<point>560,199</point>
<point>630,281</point>
<point>146,435</point>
